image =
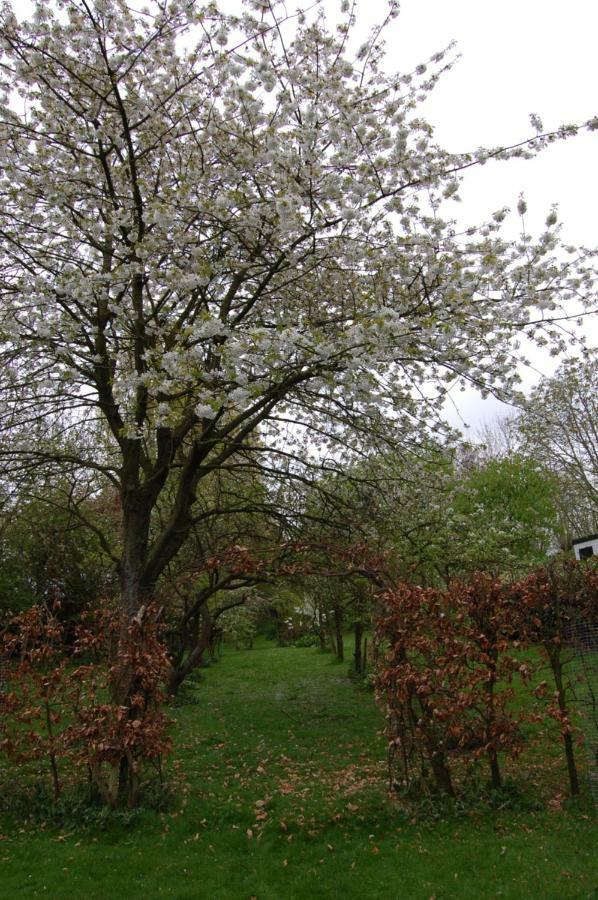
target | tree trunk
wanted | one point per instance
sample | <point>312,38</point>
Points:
<point>203,638</point>
<point>557,671</point>
<point>179,673</point>
<point>357,653</point>
<point>437,757</point>
<point>321,630</point>
<point>57,787</point>
<point>338,633</point>
<point>441,772</point>
<point>136,517</point>
<point>495,777</point>
<point>121,784</point>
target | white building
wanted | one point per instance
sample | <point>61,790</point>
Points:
<point>586,546</point>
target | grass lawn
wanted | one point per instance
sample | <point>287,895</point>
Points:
<point>280,771</point>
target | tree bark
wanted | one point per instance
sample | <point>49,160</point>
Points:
<point>557,670</point>
<point>495,777</point>
<point>441,772</point>
<point>136,518</point>
<point>338,633</point>
<point>195,657</point>
<point>357,653</point>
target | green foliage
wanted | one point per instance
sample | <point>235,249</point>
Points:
<point>80,808</point>
<point>443,512</point>
<point>504,515</point>
<point>239,626</point>
<point>306,640</point>
<point>48,556</point>
<point>453,517</point>
<point>557,428</point>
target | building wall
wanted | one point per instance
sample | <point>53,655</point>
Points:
<point>585,547</point>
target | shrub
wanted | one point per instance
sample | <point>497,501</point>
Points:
<point>559,604</point>
<point>446,679</point>
<point>307,640</point>
<point>63,709</point>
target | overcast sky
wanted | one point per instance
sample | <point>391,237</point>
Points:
<point>518,57</point>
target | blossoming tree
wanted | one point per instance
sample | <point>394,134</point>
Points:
<point>223,233</point>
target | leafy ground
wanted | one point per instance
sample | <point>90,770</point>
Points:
<point>280,773</point>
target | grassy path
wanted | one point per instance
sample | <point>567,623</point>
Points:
<point>281,770</point>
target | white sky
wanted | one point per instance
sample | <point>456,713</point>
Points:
<point>518,57</point>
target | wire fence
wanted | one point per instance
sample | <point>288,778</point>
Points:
<point>584,641</point>
<point>4,686</point>
<point>4,676</point>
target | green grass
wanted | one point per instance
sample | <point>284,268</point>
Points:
<point>280,773</point>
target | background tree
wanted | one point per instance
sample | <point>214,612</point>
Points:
<point>50,557</point>
<point>502,517</point>
<point>558,427</point>
<point>443,511</point>
<point>236,514</point>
